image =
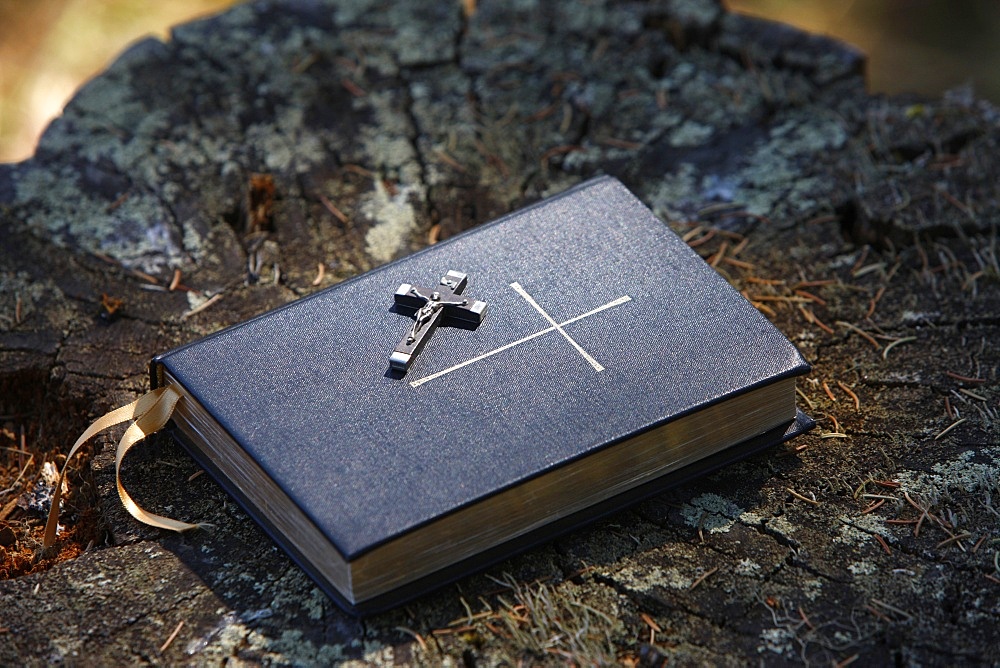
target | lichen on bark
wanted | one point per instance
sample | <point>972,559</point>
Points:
<point>865,227</point>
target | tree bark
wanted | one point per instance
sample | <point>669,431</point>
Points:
<point>256,146</point>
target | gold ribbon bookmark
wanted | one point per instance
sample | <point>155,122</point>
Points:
<point>150,412</point>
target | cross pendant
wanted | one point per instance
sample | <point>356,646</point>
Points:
<point>431,307</point>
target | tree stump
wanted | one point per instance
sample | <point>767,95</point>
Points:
<point>280,147</point>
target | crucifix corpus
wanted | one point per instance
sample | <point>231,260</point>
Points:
<point>431,306</point>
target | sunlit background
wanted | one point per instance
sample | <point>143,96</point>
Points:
<point>49,47</point>
<point>923,46</point>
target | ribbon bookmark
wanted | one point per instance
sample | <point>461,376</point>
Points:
<point>150,412</point>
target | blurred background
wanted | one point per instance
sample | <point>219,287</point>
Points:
<point>48,48</point>
<point>921,46</point>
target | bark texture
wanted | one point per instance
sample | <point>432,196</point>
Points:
<point>257,145</point>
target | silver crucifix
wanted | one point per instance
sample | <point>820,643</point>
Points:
<point>431,306</point>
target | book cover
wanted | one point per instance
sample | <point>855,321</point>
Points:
<point>600,324</point>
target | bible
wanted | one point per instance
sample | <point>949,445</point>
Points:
<point>442,412</point>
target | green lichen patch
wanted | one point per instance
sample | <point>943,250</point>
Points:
<point>711,512</point>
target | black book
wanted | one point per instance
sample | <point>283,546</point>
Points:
<point>444,411</point>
